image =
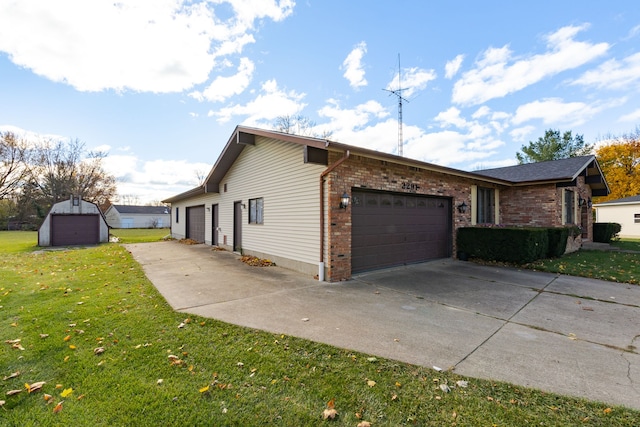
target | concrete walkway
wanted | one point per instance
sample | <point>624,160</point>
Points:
<point>563,334</point>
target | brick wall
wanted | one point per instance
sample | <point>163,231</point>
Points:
<point>535,205</point>
<point>362,172</point>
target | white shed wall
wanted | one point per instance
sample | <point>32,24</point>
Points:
<point>623,215</point>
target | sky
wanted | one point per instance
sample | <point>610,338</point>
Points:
<point>160,85</point>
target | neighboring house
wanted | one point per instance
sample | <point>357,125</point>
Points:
<point>126,216</point>
<point>332,209</point>
<point>73,222</point>
<point>625,212</point>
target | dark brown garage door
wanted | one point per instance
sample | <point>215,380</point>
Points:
<point>195,223</point>
<point>396,229</point>
<point>75,230</point>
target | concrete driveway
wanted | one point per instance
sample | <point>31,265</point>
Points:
<point>564,334</point>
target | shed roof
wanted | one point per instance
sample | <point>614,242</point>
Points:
<point>622,201</point>
<point>148,210</point>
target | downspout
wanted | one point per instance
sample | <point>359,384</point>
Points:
<point>322,177</point>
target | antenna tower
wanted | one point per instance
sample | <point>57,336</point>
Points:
<point>398,94</point>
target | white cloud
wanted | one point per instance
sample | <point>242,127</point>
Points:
<point>266,107</point>
<point>224,87</point>
<point>555,111</point>
<point>142,45</point>
<point>633,116</point>
<point>412,80</point>
<point>352,65</point>
<point>520,134</point>
<point>452,67</point>
<point>614,74</point>
<point>496,74</point>
<point>154,179</point>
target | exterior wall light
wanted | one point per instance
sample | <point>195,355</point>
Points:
<point>344,201</point>
<point>462,207</point>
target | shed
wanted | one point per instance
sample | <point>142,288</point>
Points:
<point>132,216</point>
<point>625,211</point>
<point>73,222</point>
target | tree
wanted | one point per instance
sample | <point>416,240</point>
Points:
<point>620,163</point>
<point>14,155</point>
<point>299,125</point>
<point>63,169</point>
<point>58,170</point>
<point>553,146</point>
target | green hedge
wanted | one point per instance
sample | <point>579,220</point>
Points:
<point>604,232</point>
<point>517,245</point>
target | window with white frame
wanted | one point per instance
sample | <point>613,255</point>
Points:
<point>636,218</point>
<point>256,207</point>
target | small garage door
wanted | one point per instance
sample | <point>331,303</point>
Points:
<point>75,230</point>
<point>195,223</point>
<point>391,229</point>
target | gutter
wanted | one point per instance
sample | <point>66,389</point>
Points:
<point>322,178</point>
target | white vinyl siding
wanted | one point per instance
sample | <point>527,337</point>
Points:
<point>275,171</point>
<point>624,214</point>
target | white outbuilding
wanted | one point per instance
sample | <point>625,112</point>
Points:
<point>73,222</point>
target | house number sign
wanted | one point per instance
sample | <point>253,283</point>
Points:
<point>410,186</point>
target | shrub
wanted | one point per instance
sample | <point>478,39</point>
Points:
<point>517,245</point>
<point>604,232</point>
<point>557,241</point>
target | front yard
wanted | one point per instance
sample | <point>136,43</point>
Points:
<point>110,351</point>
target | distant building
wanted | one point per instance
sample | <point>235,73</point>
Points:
<point>126,216</point>
<point>625,212</point>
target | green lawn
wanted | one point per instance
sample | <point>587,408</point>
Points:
<point>110,349</point>
<point>606,265</point>
<point>140,235</point>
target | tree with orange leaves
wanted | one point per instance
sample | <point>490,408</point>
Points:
<point>619,159</point>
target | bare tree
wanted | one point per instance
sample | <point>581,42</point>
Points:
<point>299,125</point>
<point>129,199</point>
<point>14,156</point>
<point>62,169</point>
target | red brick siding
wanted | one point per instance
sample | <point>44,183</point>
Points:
<point>535,205</point>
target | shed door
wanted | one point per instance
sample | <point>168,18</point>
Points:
<point>75,230</point>
<point>195,223</point>
<point>390,229</point>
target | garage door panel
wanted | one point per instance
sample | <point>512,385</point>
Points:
<point>390,229</point>
<point>195,223</point>
<point>67,230</point>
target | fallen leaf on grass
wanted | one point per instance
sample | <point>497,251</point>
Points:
<point>13,375</point>
<point>33,387</point>
<point>98,350</point>
<point>371,383</point>
<point>2,402</point>
<point>204,389</point>
<point>58,407</point>
<point>13,392</point>
<point>607,410</point>
<point>67,338</point>
<point>462,383</point>
<point>66,392</point>
<point>364,424</point>
<point>445,388</point>
<point>329,414</point>
<point>47,397</point>
<point>43,336</point>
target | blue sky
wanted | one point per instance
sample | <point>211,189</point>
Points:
<point>161,84</point>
